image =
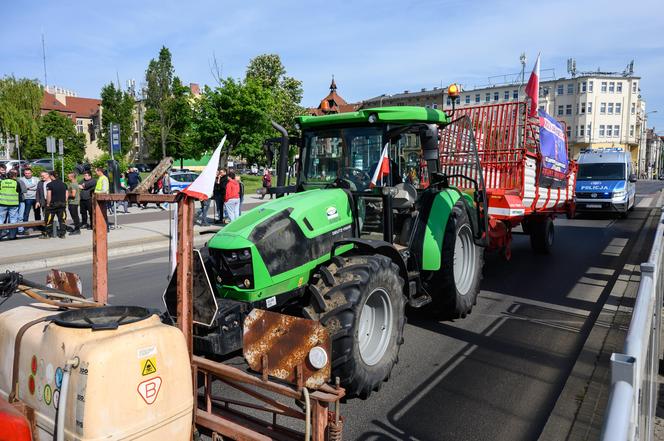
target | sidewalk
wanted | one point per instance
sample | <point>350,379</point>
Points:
<point>138,232</point>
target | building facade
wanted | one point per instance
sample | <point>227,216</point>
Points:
<point>653,160</point>
<point>599,109</point>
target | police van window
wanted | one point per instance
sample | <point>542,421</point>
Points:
<point>601,171</point>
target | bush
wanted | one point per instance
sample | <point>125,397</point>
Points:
<point>102,161</point>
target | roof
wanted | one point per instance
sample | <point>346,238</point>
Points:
<point>49,102</point>
<point>73,106</point>
<point>399,114</point>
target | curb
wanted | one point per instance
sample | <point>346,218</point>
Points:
<point>117,250</point>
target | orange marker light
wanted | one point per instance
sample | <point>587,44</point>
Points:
<point>453,91</point>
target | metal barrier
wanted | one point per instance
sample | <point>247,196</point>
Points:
<point>630,413</point>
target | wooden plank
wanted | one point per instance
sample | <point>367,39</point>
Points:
<point>30,224</point>
<point>155,174</point>
<point>185,262</point>
<point>99,252</point>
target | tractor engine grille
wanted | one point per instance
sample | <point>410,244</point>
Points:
<point>234,267</point>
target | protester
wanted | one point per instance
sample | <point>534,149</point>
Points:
<point>10,197</point>
<point>201,216</point>
<point>87,188</point>
<point>40,194</point>
<point>232,199</point>
<point>3,171</point>
<point>133,179</point>
<point>267,183</point>
<point>239,181</point>
<point>123,189</point>
<point>56,205</point>
<point>29,197</point>
<point>219,193</point>
<point>103,187</point>
<point>21,203</point>
<point>73,202</point>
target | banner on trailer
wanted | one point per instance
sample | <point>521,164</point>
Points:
<point>555,163</point>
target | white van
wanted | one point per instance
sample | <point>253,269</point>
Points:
<point>605,181</point>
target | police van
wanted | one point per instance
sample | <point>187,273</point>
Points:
<point>605,181</point>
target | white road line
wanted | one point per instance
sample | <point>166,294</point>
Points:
<point>644,203</point>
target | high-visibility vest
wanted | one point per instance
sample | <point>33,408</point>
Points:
<point>102,185</point>
<point>8,192</point>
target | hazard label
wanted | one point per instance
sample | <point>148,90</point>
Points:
<point>149,366</point>
<point>149,389</point>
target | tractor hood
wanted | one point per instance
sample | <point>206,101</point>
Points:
<point>281,240</point>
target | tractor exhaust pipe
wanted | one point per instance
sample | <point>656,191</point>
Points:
<point>283,155</point>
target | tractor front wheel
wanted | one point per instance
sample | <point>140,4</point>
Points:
<point>360,300</point>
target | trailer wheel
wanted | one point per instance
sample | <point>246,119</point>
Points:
<point>360,300</point>
<point>455,286</point>
<point>542,235</point>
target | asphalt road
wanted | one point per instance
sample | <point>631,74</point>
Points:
<point>495,375</point>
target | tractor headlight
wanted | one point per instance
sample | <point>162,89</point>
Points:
<point>318,357</point>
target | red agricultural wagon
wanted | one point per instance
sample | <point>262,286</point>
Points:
<point>525,170</point>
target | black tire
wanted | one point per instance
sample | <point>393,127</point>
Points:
<point>452,298</point>
<point>338,295</point>
<point>542,235</point>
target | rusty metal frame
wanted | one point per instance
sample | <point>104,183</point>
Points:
<point>214,413</point>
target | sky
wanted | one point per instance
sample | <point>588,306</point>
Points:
<point>370,47</point>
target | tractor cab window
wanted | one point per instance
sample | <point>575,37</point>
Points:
<point>348,154</point>
<point>406,158</point>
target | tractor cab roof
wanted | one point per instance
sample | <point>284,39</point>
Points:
<point>397,114</point>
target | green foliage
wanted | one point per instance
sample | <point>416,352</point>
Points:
<point>237,109</point>
<point>159,77</point>
<point>60,127</point>
<point>102,161</point>
<point>20,101</point>
<point>70,166</point>
<point>117,108</point>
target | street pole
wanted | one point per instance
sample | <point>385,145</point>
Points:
<point>115,205</point>
<point>18,149</point>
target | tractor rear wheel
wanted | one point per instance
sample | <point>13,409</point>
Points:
<point>360,300</point>
<point>455,286</point>
<point>542,235</point>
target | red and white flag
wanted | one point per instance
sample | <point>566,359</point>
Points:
<point>203,186</point>
<point>532,88</point>
<point>383,167</point>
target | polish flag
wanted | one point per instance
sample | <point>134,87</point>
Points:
<point>532,88</point>
<point>382,169</point>
<point>203,186</point>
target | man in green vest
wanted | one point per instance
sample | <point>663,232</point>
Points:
<point>10,194</point>
<point>102,187</point>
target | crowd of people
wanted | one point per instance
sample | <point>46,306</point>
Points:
<point>228,195</point>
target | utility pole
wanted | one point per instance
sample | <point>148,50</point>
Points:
<point>44,59</point>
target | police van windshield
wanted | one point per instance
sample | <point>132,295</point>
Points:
<point>601,171</point>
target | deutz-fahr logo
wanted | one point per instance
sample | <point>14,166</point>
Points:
<point>332,213</point>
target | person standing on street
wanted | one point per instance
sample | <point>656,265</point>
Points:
<point>3,171</point>
<point>73,201</point>
<point>41,193</point>
<point>123,189</point>
<point>133,179</point>
<point>267,183</point>
<point>10,197</point>
<point>87,188</point>
<point>241,184</point>
<point>219,193</point>
<point>232,201</point>
<point>56,205</point>
<point>103,187</point>
<point>30,196</point>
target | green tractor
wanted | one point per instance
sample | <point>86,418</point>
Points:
<point>373,224</point>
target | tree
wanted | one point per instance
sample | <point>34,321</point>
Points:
<point>159,78</point>
<point>268,70</point>
<point>60,127</point>
<point>20,102</point>
<point>117,107</point>
<point>239,110</point>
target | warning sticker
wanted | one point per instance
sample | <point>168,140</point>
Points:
<point>149,366</point>
<point>149,389</point>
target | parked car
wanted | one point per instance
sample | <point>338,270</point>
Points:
<point>141,167</point>
<point>180,180</point>
<point>14,163</point>
<point>45,163</point>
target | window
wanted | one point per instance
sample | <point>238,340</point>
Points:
<point>601,130</point>
<point>603,87</point>
<point>477,97</point>
<point>602,108</point>
<point>569,131</point>
<point>458,100</point>
<point>616,131</point>
<point>634,87</point>
<point>618,108</point>
<point>631,130</point>
<point>589,130</point>
<point>570,88</point>
<point>583,86</point>
<point>610,109</point>
<point>590,87</point>
<point>568,109</point>
<point>79,125</point>
<point>467,99</point>
<point>612,86</point>
<point>582,130</point>
<point>577,108</point>
<point>561,110</point>
<point>619,87</point>
<point>560,89</point>
<point>507,95</point>
<point>487,97</point>
<point>583,108</point>
<point>544,91</point>
<point>590,107</point>
<point>609,131</point>
<point>496,95</point>
<point>449,101</point>
<point>515,94</point>
<point>633,110</point>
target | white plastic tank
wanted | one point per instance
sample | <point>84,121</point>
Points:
<point>132,378</point>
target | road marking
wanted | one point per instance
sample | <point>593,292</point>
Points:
<point>644,203</point>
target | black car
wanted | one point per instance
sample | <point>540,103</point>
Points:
<point>143,168</point>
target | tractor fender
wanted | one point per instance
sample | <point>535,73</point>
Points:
<point>434,213</point>
<point>375,247</point>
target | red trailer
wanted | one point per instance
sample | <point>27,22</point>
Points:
<point>524,186</point>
